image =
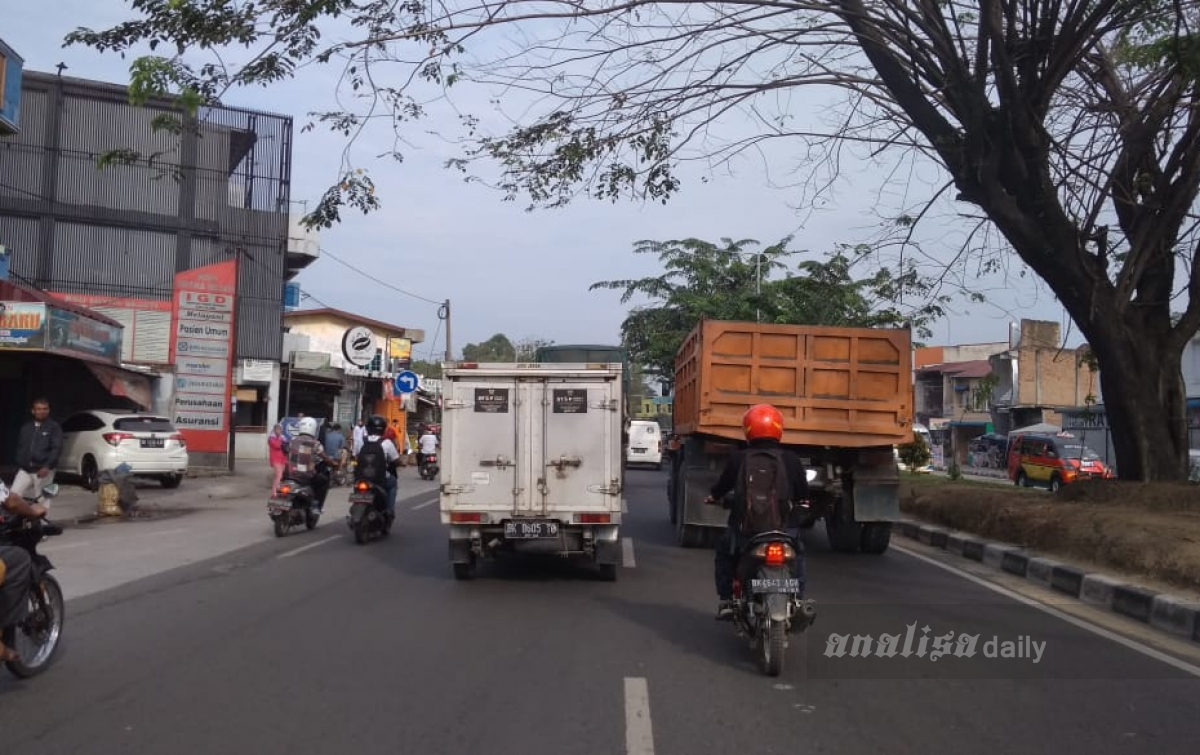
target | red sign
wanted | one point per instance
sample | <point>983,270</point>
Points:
<point>202,350</point>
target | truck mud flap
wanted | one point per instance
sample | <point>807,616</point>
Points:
<point>460,551</point>
<point>608,552</point>
<point>876,494</point>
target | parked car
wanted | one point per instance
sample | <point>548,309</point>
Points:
<point>988,452</point>
<point>1053,460</point>
<point>1194,467</point>
<point>97,440</point>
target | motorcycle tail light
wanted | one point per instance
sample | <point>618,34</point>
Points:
<point>776,554</point>
<point>285,490</point>
<point>362,487</point>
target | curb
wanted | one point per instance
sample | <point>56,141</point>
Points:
<point>1165,612</point>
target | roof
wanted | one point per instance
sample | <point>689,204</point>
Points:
<point>15,291</point>
<point>356,319</point>
<point>977,368</point>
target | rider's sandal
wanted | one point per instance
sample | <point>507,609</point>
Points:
<point>7,654</point>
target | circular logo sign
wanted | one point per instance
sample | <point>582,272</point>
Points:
<point>358,346</point>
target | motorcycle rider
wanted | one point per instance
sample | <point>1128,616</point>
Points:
<point>763,427</point>
<point>304,454</point>
<point>16,570</point>
<point>376,445</point>
<point>427,444</point>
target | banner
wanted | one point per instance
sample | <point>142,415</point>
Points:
<point>84,337</point>
<point>22,325</point>
<point>202,351</point>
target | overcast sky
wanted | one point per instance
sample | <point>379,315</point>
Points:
<point>506,270</point>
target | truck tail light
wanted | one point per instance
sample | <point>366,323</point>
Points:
<point>460,517</point>
<point>594,518</point>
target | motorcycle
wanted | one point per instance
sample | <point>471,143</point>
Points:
<point>429,469</point>
<point>344,472</point>
<point>36,637</point>
<point>766,597</point>
<point>368,511</point>
<point>291,505</point>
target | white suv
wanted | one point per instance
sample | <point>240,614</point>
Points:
<point>97,440</point>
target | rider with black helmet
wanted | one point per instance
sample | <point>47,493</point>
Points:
<point>377,460</point>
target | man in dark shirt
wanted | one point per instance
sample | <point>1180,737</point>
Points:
<point>38,447</point>
<point>763,425</point>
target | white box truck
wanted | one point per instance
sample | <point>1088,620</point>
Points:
<point>532,461</point>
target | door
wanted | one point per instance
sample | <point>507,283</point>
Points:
<point>578,446</point>
<point>480,444</point>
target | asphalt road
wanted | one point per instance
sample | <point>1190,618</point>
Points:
<point>376,649</point>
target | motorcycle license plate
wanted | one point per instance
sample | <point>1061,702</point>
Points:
<point>281,504</point>
<point>774,585</point>
<point>530,530</point>
<point>367,498</point>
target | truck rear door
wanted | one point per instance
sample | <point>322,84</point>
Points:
<point>577,447</point>
<point>485,455</point>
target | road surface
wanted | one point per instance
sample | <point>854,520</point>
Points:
<point>313,645</point>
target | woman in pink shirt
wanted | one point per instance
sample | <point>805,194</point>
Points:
<point>278,456</point>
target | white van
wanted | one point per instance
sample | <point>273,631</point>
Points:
<point>645,444</point>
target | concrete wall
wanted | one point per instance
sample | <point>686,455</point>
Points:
<point>1049,376</point>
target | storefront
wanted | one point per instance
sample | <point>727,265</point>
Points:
<point>62,352</point>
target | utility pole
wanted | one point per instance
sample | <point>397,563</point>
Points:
<point>758,287</point>
<point>446,316</point>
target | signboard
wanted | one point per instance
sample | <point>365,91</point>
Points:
<point>407,382</point>
<point>291,295</point>
<point>22,325</point>
<point>146,338</point>
<point>11,66</point>
<point>75,335</point>
<point>358,346</point>
<point>4,260</point>
<point>257,371</point>
<point>491,400</point>
<point>570,401</point>
<point>400,353</point>
<point>202,351</point>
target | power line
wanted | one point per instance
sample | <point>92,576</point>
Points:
<point>375,279</point>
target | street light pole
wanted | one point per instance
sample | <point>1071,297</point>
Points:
<point>758,287</point>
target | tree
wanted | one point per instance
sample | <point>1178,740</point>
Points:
<point>431,370</point>
<point>1071,127</point>
<point>701,279</point>
<point>495,349</point>
<point>916,454</point>
<point>527,348</point>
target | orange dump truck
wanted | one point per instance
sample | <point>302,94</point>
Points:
<point>846,398</point>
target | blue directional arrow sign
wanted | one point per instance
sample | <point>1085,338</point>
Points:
<point>407,382</point>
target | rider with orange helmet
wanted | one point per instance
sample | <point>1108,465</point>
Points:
<point>763,427</point>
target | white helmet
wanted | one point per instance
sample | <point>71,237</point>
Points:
<point>307,426</point>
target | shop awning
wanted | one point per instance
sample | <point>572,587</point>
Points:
<point>124,383</point>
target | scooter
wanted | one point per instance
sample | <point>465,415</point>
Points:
<point>368,511</point>
<point>291,505</point>
<point>36,637</point>
<point>766,598</point>
<point>429,469</point>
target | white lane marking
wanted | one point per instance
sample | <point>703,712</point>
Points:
<point>1082,624</point>
<point>303,548</point>
<point>627,553</point>
<point>423,505</point>
<point>639,736</point>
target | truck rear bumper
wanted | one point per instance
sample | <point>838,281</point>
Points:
<point>600,542</point>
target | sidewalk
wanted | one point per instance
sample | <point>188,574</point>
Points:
<point>200,490</point>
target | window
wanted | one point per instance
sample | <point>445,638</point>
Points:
<point>143,425</point>
<point>82,423</point>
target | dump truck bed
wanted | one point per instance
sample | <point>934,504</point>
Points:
<point>840,387</point>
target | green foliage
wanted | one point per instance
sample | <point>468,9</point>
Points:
<point>496,349</point>
<point>427,369</point>
<point>702,279</point>
<point>916,454</point>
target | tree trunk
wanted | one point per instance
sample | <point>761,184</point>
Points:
<point>1145,399</point>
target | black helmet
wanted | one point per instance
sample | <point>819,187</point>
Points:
<point>376,425</point>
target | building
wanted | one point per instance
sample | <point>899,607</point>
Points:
<point>322,380</point>
<point>1037,379</point>
<point>182,239</point>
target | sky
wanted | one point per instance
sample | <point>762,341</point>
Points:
<point>524,274</point>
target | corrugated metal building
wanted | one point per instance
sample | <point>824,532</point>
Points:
<point>113,239</point>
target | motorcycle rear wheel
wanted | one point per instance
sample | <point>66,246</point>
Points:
<point>281,527</point>
<point>361,532</point>
<point>771,645</point>
<point>47,614</point>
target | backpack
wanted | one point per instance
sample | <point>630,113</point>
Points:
<point>302,458</point>
<point>372,462</point>
<point>764,491</point>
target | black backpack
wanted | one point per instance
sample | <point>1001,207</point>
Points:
<point>763,492</point>
<point>372,462</point>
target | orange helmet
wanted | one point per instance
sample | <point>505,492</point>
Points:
<point>762,421</point>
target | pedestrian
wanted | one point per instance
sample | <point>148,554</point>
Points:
<point>360,434</point>
<point>276,443</point>
<point>38,447</point>
<point>335,443</point>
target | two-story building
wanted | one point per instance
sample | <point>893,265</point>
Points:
<point>101,209</point>
<point>327,383</point>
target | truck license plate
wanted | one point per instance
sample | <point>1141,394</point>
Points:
<point>525,530</point>
<point>774,585</point>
